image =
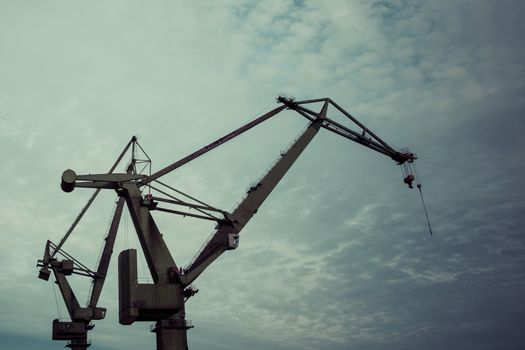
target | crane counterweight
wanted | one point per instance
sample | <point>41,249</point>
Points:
<point>68,180</point>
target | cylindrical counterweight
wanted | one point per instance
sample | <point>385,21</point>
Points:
<point>68,180</point>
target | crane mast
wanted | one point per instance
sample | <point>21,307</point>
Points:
<point>163,300</point>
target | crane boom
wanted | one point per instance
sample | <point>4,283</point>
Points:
<point>251,203</point>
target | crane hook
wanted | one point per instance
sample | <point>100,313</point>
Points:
<point>408,170</point>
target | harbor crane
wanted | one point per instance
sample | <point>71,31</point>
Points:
<point>163,301</point>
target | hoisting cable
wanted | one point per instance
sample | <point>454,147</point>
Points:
<point>56,301</point>
<point>425,208</point>
<point>413,168</point>
<point>207,216</point>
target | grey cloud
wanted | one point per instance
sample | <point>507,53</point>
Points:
<point>339,256</point>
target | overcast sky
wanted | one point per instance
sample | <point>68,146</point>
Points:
<point>339,256</point>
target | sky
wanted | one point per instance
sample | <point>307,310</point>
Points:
<point>339,256</point>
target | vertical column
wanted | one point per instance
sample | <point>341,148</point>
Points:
<point>78,344</point>
<point>127,281</point>
<point>172,332</point>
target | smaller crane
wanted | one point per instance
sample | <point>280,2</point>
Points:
<point>76,330</point>
<point>62,264</point>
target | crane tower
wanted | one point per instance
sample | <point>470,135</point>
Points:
<point>162,302</point>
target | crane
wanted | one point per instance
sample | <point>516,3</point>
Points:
<point>163,301</point>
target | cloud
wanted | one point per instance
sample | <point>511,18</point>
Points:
<point>339,255</point>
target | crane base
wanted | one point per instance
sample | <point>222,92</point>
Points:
<point>68,330</point>
<point>172,333</point>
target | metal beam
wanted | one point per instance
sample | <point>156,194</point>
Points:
<point>153,245</point>
<point>368,131</point>
<point>189,205</point>
<point>67,293</point>
<point>183,213</point>
<point>211,146</point>
<point>105,259</point>
<point>250,204</point>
